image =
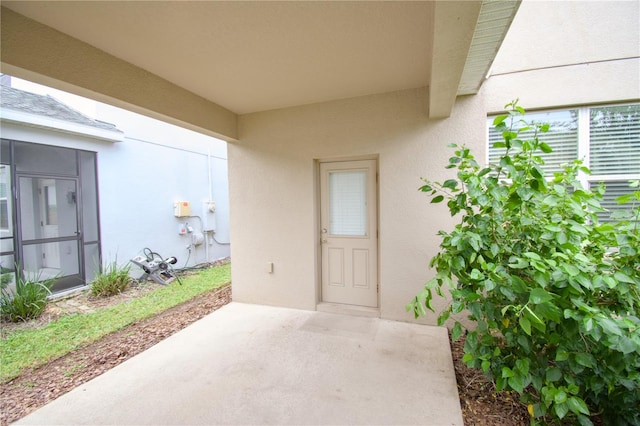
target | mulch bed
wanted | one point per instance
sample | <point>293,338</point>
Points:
<point>35,388</point>
<point>481,404</point>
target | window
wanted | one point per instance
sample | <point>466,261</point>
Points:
<point>348,203</point>
<point>606,138</point>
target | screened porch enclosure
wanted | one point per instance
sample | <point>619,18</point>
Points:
<point>50,214</point>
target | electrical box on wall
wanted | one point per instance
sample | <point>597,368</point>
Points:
<point>181,209</point>
<point>208,215</point>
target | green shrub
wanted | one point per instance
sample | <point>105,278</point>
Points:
<point>554,293</point>
<point>27,302</point>
<point>112,280</point>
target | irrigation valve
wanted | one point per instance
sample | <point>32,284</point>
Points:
<point>156,268</point>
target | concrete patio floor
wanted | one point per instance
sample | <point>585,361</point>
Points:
<point>252,364</point>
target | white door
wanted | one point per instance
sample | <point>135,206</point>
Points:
<point>349,228</point>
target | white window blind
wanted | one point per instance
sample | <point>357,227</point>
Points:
<point>614,189</point>
<point>348,203</point>
<point>615,140</point>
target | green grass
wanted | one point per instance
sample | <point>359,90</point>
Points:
<point>32,348</point>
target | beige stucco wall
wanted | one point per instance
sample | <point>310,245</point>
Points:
<point>273,191</point>
<point>561,53</point>
<point>587,54</point>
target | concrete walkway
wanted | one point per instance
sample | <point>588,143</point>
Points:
<point>251,364</point>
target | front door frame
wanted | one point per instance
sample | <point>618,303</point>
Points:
<point>317,221</point>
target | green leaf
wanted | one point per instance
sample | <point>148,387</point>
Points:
<point>476,275</point>
<point>426,188</point>
<point>560,397</point>
<point>437,199</point>
<point>626,345</point>
<point>577,405</point>
<point>561,238</point>
<point>570,269</point>
<point>456,331</point>
<point>525,325</point>
<point>443,317</point>
<point>561,410</point>
<point>539,295</point>
<point>489,285</point>
<point>622,277</point>
<point>499,119</point>
<point>553,374</point>
<point>545,148</point>
<point>609,326</point>
<point>507,372</point>
<point>522,365</point>
<point>484,171</point>
<point>516,383</point>
<point>562,355</point>
<point>549,311</point>
<point>584,359</point>
<point>532,255</point>
<point>450,183</point>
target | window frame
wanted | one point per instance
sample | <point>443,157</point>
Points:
<point>584,143</point>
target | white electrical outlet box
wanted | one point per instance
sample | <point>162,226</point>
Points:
<point>181,209</point>
<point>182,229</point>
<point>208,215</point>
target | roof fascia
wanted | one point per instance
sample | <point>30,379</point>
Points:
<point>453,29</point>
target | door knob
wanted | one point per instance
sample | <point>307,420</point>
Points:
<point>324,230</point>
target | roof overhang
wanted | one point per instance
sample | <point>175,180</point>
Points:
<point>202,64</point>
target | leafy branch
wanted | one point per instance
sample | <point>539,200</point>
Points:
<point>553,293</point>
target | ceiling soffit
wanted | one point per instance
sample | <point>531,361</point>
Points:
<point>495,19</point>
<point>241,57</point>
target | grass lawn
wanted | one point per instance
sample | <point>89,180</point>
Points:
<point>32,348</point>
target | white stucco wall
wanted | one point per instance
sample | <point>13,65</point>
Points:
<point>142,176</point>
<point>274,191</point>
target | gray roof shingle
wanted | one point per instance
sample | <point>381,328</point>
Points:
<point>47,106</point>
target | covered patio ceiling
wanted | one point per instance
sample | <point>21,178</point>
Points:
<point>202,64</point>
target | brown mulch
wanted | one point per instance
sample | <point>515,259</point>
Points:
<point>481,405</point>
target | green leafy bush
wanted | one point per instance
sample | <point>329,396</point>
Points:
<point>554,293</point>
<point>28,301</point>
<point>112,280</point>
